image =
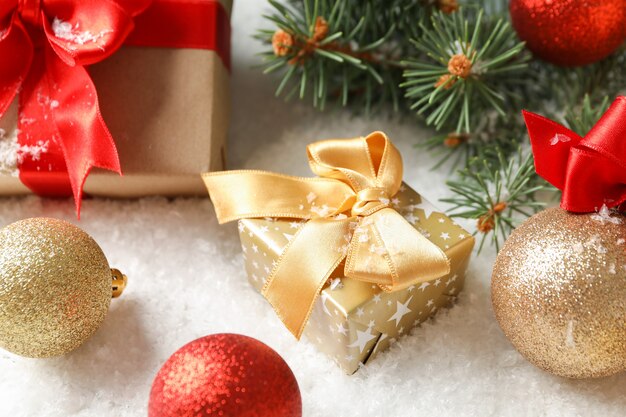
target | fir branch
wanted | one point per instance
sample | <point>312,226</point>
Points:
<point>471,60</point>
<point>463,71</point>
<point>491,136</point>
<point>345,51</point>
<point>497,194</point>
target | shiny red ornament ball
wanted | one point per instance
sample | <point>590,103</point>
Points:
<point>570,32</point>
<point>226,375</point>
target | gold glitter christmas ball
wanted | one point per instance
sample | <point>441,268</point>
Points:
<point>55,287</point>
<point>559,292</point>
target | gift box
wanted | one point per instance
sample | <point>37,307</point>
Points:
<point>164,97</point>
<point>353,321</point>
<point>398,261</point>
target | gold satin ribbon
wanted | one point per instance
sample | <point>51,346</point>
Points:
<point>350,218</point>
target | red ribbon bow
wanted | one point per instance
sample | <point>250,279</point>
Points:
<point>44,46</point>
<point>591,171</point>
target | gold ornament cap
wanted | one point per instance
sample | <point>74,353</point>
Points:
<point>119,282</point>
<point>55,287</point>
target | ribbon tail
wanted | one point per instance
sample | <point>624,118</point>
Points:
<point>302,270</point>
<point>386,246</point>
<point>41,160</point>
<point>85,139</point>
<point>17,50</point>
<point>551,144</point>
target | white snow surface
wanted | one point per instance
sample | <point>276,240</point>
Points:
<point>187,280</point>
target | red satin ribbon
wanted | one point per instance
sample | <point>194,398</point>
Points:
<point>45,46</point>
<point>183,24</point>
<point>591,171</point>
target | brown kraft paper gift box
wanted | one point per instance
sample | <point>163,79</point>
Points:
<point>168,112</point>
<point>353,321</point>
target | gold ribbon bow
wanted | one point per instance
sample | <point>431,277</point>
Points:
<point>349,218</point>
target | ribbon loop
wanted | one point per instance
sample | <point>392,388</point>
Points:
<point>371,162</point>
<point>591,171</point>
<point>349,219</point>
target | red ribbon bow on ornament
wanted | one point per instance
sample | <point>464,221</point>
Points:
<point>44,46</point>
<point>591,171</point>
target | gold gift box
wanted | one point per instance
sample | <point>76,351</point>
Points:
<point>353,321</point>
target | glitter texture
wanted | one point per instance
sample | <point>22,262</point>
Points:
<point>225,375</point>
<point>570,32</point>
<point>55,287</point>
<point>559,293</point>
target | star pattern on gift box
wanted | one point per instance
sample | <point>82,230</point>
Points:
<point>354,334</point>
<point>401,311</point>
<point>363,339</point>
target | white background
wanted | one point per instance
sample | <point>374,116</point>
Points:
<point>187,281</point>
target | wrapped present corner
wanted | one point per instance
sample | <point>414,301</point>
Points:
<point>136,87</point>
<point>353,259</point>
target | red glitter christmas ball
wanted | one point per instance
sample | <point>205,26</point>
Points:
<point>570,32</point>
<point>226,375</point>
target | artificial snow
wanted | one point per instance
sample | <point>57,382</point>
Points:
<point>187,280</point>
<point>604,215</point>
<point>336,284</point>
<point>559,137</point>
<point>12,153</point>
<point>9,153</point>
<point>72,33</point>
